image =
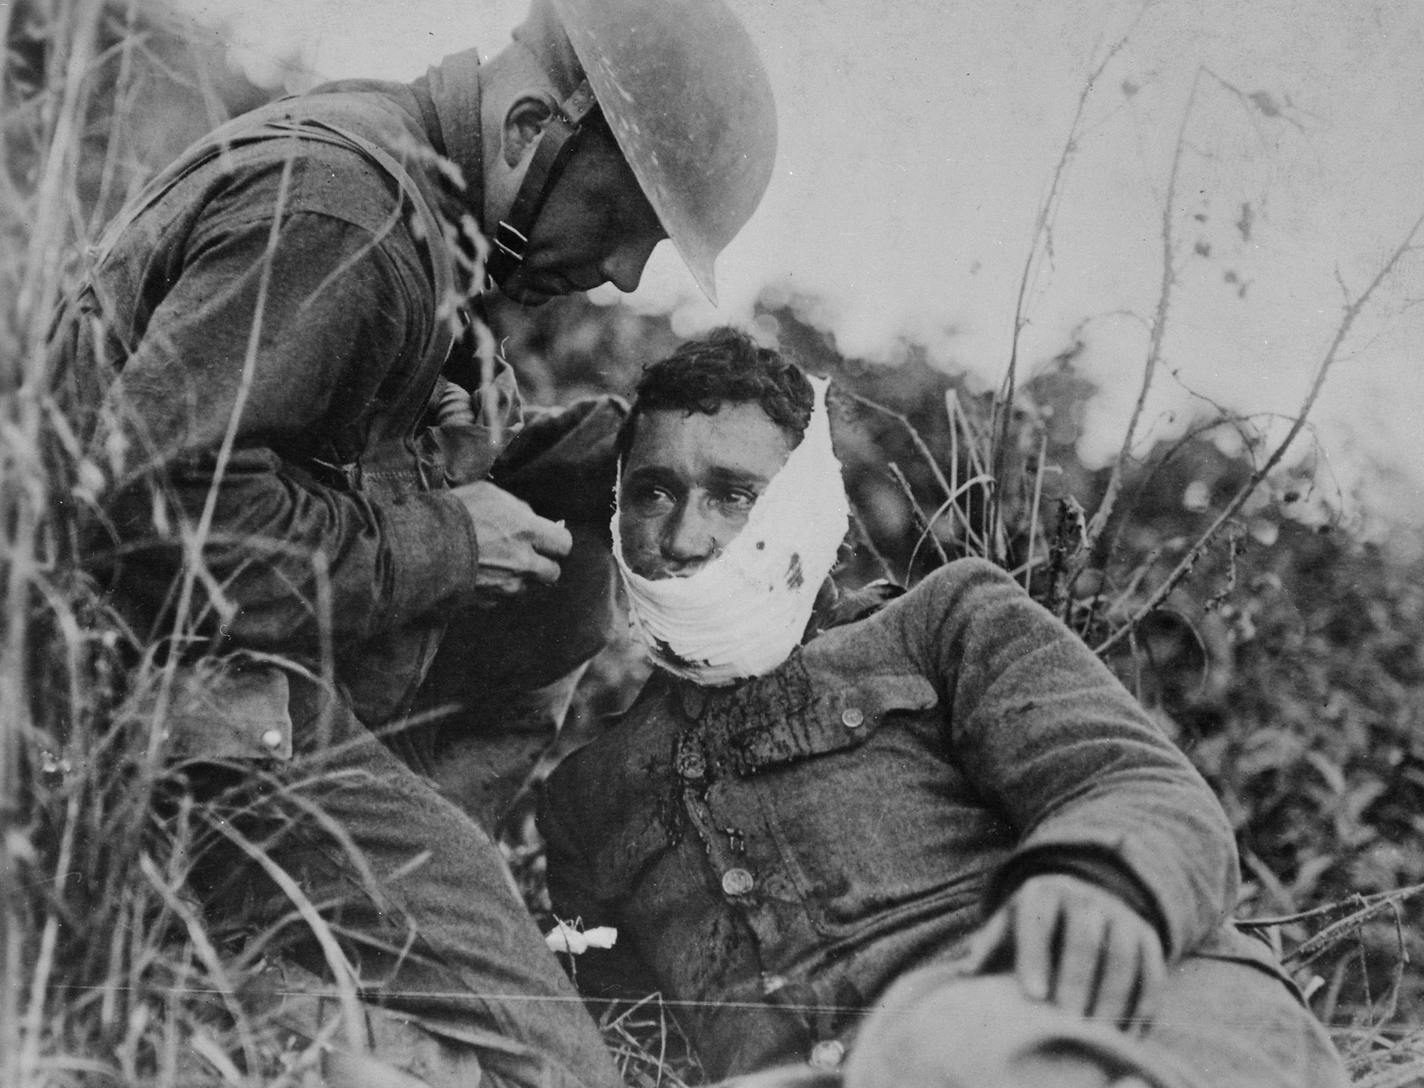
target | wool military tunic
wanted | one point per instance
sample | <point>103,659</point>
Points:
<point>255,352</point>
<point>288,286</point>
<point>775,853</point>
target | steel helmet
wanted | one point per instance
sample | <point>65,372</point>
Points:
<point>688,101</point>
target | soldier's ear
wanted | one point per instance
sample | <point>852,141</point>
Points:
<point>523,122</point>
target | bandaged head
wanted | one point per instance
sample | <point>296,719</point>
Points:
<point>744,611</point>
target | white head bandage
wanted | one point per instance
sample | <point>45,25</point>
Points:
<point>743,613</point>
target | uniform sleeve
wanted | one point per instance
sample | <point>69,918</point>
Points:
<point>283,340</point>
<point>1052,739</point>
<point>616,974</point>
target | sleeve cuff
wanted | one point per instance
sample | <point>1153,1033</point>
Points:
<point>433,553</point>
<point>1096,867</point>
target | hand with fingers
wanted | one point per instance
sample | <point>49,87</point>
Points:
<point>517,548</point>
<point>1081,948</point>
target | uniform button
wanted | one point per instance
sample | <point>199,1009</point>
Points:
<point>852,717</point>
<point>737,882</point>
<point>827,1055</point>
<point>272,738</point>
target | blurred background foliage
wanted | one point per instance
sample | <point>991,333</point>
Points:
<point>1288,662</point>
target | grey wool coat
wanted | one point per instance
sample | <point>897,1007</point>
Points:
<point>776,853</point>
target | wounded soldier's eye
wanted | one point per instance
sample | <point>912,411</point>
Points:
<point>648,498</point>
<point>736,498</point>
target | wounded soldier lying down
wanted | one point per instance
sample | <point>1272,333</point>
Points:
<point>942,811</point>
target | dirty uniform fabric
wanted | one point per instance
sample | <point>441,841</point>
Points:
<point>323,327</point>
<point>777,854</point>
<point>419,892</point>
<point>264,332</point>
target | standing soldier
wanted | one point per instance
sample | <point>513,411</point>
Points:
<point>269,360</point>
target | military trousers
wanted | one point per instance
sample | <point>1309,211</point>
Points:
<point>415,893</point>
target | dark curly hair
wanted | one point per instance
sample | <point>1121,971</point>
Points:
<point>724,366</point>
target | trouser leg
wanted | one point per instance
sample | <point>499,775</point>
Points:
<point>423,906</point>
<point>364,1047</point>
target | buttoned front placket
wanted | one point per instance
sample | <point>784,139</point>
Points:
<point>722,808</point>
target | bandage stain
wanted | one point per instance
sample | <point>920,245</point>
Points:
<point>795,577</point>
<point>671,656</point>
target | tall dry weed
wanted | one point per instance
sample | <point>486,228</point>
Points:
<point>109,974</point>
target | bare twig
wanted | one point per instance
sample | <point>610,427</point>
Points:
<point>919,443</point>
<point>863,532</point>
<point>1327,910</point>
<point>975,454</point>
<point>926,529</point>
<point>1042,243</point>
<point>1408,1075</point>
<point>1034,509</point>
<point>1357,910</point>
<point>1167,236</point>
<point>1353,310</point>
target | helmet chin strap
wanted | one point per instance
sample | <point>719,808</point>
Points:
<point>556,146</point>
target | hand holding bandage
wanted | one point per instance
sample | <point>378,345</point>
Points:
<point>466,440</point>
<point>517,547</point>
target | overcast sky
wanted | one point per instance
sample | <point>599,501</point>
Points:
<point>919,139</point>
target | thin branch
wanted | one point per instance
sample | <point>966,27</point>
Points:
<point>919,443</point>
<point>863,532</point>
<point>1311,950</point>
<point>1333,910</point>
<point>1322,371</point>
<point>974,543</point>
<point>926,530</point>
<point>1035,508</point>
<point>1108,504</point>
<point>1042,236</point>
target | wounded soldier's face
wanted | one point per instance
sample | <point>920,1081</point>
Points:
<point>689,482</point>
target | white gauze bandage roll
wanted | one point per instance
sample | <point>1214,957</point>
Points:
<point>743,613</point>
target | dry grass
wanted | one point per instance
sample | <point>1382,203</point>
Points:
<point>108,973</point>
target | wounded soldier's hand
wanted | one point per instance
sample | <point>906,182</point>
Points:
<point>1080,947</point>
<point>517,548</point>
